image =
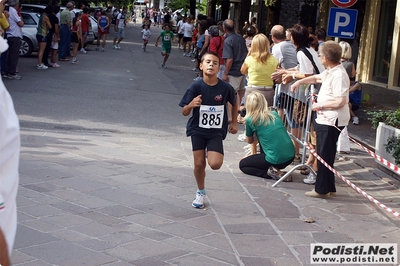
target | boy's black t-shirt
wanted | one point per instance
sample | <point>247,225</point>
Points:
<point>214,116</point>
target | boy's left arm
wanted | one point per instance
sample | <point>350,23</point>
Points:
<point>233,127</point>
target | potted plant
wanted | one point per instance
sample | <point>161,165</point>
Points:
<point>387,124</point>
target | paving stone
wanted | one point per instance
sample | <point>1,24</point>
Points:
<point>70,207</point>
<point>71,255</point>
<point>94,229</point>
<point>67,219</point>
<point>101,218</point>
<point>188,245</point>
<point>96,244</point>
<point>197,260</point>
<point>117,211</point>
<point>27,237</point>
<point>155,235</point>
<point>42,225</point>
<point>40,210</point>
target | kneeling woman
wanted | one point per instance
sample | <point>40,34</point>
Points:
<point>276,147</point>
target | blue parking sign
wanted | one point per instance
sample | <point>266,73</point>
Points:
<point>342,22</point>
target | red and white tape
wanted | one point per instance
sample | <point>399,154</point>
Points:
<point>376,156</point>
<point>359,190</point>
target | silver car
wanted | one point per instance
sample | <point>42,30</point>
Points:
<point>29,43</point>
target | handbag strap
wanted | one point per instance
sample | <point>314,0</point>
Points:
<point>310,57</point>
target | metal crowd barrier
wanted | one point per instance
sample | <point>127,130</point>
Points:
<point>285,102</point>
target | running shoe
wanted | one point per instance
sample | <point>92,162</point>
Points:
<point>41,67</point>
<point>310,180</point>
<point>102,49</point>
<point>356,120</point>
<point>164,66</point>
<point>97,48</point>
<point>198,201</point>
<point>54,65</point>
<point>242,137</point>
<point>16,76</point>
<point>74,61</point>
<point>83,51</point>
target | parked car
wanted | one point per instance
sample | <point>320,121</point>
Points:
<point>29,43</point>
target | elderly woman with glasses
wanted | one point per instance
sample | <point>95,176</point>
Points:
<point>332,114</point>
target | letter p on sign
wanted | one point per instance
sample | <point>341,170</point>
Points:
<point>342,22</point>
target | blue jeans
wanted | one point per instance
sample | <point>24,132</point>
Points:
<point>65,41</point>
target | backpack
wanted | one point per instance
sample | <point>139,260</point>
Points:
<point>214,31</point>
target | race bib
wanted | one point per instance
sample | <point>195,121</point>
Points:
<point>211,116</point>
<point>167,38</point>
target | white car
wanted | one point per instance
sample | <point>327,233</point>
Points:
<point>29,43</point>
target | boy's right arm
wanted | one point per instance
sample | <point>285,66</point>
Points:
<point>196,102</point>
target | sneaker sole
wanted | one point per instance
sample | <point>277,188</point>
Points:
<point>197,206</point>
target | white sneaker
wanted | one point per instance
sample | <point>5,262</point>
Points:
<point>310,180</point>
<point>242,137</point>
<point>41,66</point>
<point>184,54</point>
<point>83,51</point>
<point>356,120</point>
<point>198,201</point>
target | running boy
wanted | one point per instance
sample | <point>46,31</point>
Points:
<point>206,99</point>
<point>166,38</point>
<point>145,34</point>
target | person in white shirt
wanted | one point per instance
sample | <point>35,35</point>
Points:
<point>120,28</point>
<point>332,113</point>
<point>145,34</point>
<point>14,36</point>
<point>187,36</point>
<point>179,28</point>
<point>9,177</point>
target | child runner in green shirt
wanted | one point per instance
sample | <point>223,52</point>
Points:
<point>166,38</point>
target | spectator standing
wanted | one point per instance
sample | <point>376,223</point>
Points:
<point>65,33</point>
<point>167,18</point>
<point>259,65</point>
<point>14,36</point>
<point>42,33</point>
<point>86,25</point>
<point>179,29</point>
<point>285,52</point>
<point>53,34</point>
<point>4,27</point>
<point>309,64</point>
<point>333,111</point>
<point>216,46</point>
<point>76,36</point>
<point>187,37</point>
<point>9,178</point>
<point>120,28</point>
<point>103,25</point>
<point>234,53</point>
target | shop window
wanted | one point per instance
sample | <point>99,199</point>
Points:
<point>384,41</point>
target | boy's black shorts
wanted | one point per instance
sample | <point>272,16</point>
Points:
<point>212,144</point>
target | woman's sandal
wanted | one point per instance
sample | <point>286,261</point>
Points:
<point>287,179</point>
<point>305,171</point>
